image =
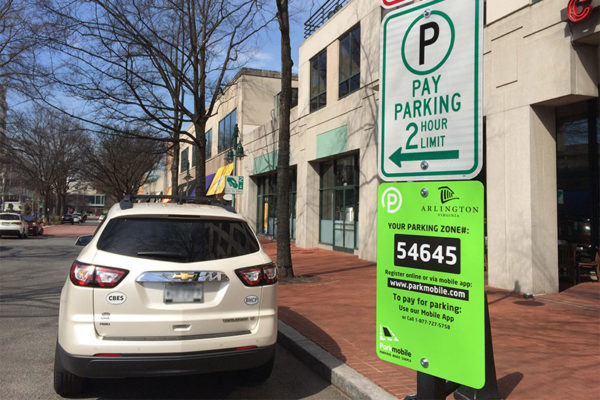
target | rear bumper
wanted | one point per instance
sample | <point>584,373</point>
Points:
<point>6,231</point>
<point>136,365</point>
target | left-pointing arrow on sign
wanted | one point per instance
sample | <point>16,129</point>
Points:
<point>398,156</point>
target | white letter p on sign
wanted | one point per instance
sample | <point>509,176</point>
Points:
<point>391,200</point>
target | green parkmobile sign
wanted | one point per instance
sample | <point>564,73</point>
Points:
<point>430,103</point>
<point>430,283</point>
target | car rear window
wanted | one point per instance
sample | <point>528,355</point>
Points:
<point>178,239</point>
<point>9,217</point>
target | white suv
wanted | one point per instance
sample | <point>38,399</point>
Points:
<point>13,224</point>
<point>165,289</point>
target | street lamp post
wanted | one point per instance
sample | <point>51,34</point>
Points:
<point>234,152</point>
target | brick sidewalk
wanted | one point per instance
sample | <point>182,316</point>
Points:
<point>545,348</point>
<point>68,230</point>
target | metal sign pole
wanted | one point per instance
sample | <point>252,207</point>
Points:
<point>490,390</point>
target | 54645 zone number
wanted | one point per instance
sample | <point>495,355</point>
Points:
<point>427,252</point>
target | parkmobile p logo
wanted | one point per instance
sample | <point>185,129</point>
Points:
<point>391,200</point>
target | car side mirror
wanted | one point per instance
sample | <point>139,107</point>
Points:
<point>83,240</point>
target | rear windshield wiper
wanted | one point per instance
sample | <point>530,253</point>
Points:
<point>163,255</point>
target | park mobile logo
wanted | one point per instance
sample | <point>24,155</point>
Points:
<point>391,200</point>
<point>446,194</point>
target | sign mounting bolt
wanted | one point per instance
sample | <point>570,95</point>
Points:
<point>427,13</point>
<point>424,362</point>
<point>424,192</point>
<point>424,165</point>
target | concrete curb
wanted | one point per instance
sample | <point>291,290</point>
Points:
<point>353,384</point>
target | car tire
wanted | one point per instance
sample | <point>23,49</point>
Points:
<point>65,383</point>
<point>259,375</point>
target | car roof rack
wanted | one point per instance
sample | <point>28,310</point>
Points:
<point>129,199</point>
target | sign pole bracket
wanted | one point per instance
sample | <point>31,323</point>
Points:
<point>433,388</point>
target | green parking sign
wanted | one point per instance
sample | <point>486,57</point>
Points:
<point>430,105</point>
<point>234,184</point>
<point>430,278</point>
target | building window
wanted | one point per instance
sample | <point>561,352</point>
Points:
<point>184,161</point>
<point>95,200</point>
<point>338,208</point>
<point>294,101</point>
<point>578,177</point>
<point>226,126</point>
<point>350,62</point>
<point>318,81</point>
<point>208,152</point>
<point>266,200</point>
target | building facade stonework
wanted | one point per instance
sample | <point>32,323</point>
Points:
<point>541,122</point>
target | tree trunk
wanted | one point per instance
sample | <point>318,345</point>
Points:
<point>200,159</point>
<point>284,258</point>
<point>175,169</point>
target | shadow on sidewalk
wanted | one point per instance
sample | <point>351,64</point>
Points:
<point>508,383</point>
<point>313,332</point>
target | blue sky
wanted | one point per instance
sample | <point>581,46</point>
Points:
<point>268,55</point>
<point>263,53</point>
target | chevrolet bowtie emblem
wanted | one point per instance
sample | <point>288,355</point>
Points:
<point>184,276</point>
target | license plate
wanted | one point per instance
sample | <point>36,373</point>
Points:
<point>184,293</point>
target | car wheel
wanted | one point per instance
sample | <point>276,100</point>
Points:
<point>259,375</point>
<point>65,383</point>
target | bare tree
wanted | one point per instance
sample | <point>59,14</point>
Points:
<point>120,165</point>
<point>284,258</point>
<point>160,62</point>
<point>18,24</point>
<point>44,146</point>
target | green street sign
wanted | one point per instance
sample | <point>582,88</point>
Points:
<point>430,104</point>
<point>234,184</point>
<point>430,278</point>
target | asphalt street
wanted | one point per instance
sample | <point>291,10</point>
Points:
<point>33,273</point>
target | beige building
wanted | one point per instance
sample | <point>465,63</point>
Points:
<point>248,101</point>
<point>541,124</point>
<point>541,116</point>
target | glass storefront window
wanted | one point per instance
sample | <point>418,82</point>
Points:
<point>577,148</point>
<point>266,221</point>
<point>338,207</point>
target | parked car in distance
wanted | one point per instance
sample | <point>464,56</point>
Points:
<point>76,218</point>
<point>13,224</point>
<point>67,218</point>
<point>83,217</point>
<point>34,226</point>
<point>167,289</point>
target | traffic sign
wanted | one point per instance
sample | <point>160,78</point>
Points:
<point>234,184</point>
<point>430,280</point>
<point>394,3</point>
<point>430,103</point>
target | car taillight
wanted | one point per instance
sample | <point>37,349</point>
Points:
<point>90,275</point>
<point>258,275</point>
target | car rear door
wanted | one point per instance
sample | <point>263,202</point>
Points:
<point>165,298</point>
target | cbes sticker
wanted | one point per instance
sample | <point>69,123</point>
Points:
<point>116,298</point>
